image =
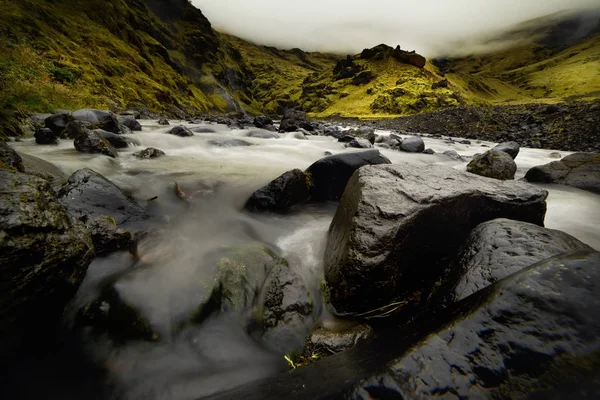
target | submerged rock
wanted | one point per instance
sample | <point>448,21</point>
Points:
<point>148,153</point>
<point>580,170</point>
<point>44,254</point>
<point>493,164</point>
<point>499,248</point>
<point>87,194</point>
<point>93,143</point>
<point>181,131</point>
<point>46,136</point>
<point>229,143</point>
<point>263,134</point>
<point>381,247</point>
<point>107,237</point>
<point>281,194</point>
<point>412,144</point>
<point>511,148</point>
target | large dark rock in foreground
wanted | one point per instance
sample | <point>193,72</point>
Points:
<point>398,226</point>
<point>284,192</point>
<point>92,143</point>
<point>87,194</point>
<point>44,255</point>
<point>533,335</point>
<point>580,170</point>
<point>329,175</point>
<point>493,164</point>
<point>499,248</point>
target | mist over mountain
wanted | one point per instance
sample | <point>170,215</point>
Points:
<point>347,26</point>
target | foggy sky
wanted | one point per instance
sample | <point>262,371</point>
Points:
<point>431,27</point>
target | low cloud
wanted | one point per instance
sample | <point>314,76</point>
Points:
<point>431,27</point>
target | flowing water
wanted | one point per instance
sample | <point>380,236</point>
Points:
<point>219,354</point>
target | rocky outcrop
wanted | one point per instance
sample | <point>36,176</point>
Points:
<point>107,237</point>
<point>281,194</point>
<point>93,143</point>
<point>58,122</point>
<point>493,164</point>
<point>44,254</point>
<point>580,170</point>
<point>329,175</point>
<point>412,144</point>
<point>149,153</point>
<point>499,248</point>
<point>182,131</point>
<point>87,194</point>
<point>381,246</point>
<point>117,141</point>
<point>511,148</point>
<point>46,136</point>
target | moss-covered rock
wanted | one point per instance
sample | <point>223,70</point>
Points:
<point>9,159</point>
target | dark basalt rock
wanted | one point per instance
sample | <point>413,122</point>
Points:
<point>499,248</point>
<point>46,136</point>
<point>289,189</point>
<point>148,153</point>
<point>181,131</point>
<point>580,170</point>
<point>105,120</point>
<point>334,132</point>
<point>163,121</point>
<point>381,248</point>
<point>229,143</point>
<point>44,256</point>
<point>76,129</point>
<point>93,143</point>
<point>130,122</point>
<point>107,237</point>
<point>293,120</point>
<point>511,148</point>
<point>9,158</point>
<point>87,194</point>
<point>412,144</point>
<point>260,121</point>
<point>329,175</point>
<point>346,139</point>
<point>117,141</point>
<point>493,164</point>
<point>58,122</point>
<point>360,144</point>
<point>428,151</point>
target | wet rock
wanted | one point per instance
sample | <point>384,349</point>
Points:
<point>412,144</point>
<point>288,308</point>
<point>149,153</point>
<point>163,121</point>
<point>44,254</point>
<point>263,134</point>
<point>346,139</point>
<point>324,340</point>
<point>37,121</point>
<point>43,169</point>
<point>511,148</point>
<point>334,132</point>
<point>9,158</point>
<point>58,122</point>
<point>555,155</point>
<point>229,143</point>
<point>499,248</point>
<point>380,246</point>
<point>580,170</point>
<point>428,151</point>
<point>117,141</point>
<point>453,155</point>
<point>366,132</point>
<point>93,143</point>
<point>45,136</point>
<point>360,144</point>
<point>329,175</point>
<point>260,121</point>
<point>289,189</point>
<point>75,129</point>
<point>131,122</point>
<point>294,119</point>
<point>493,164</point>
<point>87,194</point>
<point>181,131</point>
<point>105,120</point>
<point>270,128</point>
<point>106,236</point>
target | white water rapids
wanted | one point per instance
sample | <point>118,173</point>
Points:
<point>219,355</point>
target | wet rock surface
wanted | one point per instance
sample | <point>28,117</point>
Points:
<point>511,148</point>
<point>46,136</point>
<point>289,189</point>
<point>9,158</point>
<point>381,248</point>
<point>580,170</point>
<point>412,144</point>
<point>130,122</point>
<point>181,131</point>
<point>149,153</point>
<point>499,248</point>
<point>92,143</point>
<point>117,141</point>
<point>493,164</point>
<point>87,194</point>
<point>263,134</point>
<point>105,120</point>
<point>58,122</point>
<point>107,238</point>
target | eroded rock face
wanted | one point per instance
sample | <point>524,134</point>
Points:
<point>93,143</point>
<point>381,247</point>
<point>87,194</point>
<point>493,164</point>
<point>44,256</point>
<point>580,170</point>
<point>499,248</point>
<point>289,189</point>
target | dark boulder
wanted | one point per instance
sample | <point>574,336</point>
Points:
<point>334,132</point>
<point>580,170</point>
<point>360,144</point>
<point>93,143</point>
<point>499,248</point>
<point>117,141</point>
<point>493,164</point>
<point>412,144</point>
<point>87,194</point>
<point>150,152</point>
<point>182,131</point>
<point>44,256</point>
<point>381,247</point>
<point>106,236</point>
<point>163,121</point>
<point>229,143</point>
<point>130,122</point>
<point>10,159</point>
<point>260,121</point>
<point>289,189</point>
<point>346,139</point>
<point>512,148</point>
<point>75,129</point>
<point>329,175</point>
<point>294,119</point>
<point>263,134</point>
<point>105,120</point>
<point>428,151</point>
<point>58,122</point>
<point>46,136</point>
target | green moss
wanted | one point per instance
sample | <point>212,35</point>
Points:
<point>110,220</point>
